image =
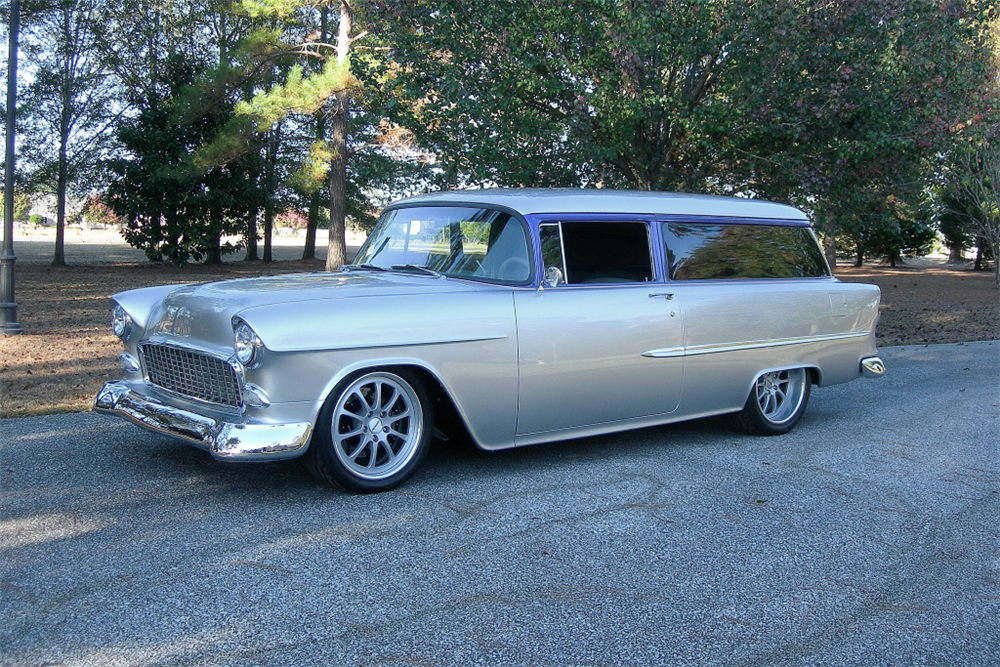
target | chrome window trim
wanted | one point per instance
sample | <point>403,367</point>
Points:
<point>684,351</point>
<point>656,276</point>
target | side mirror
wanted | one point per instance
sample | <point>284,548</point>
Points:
<point>553,276</point>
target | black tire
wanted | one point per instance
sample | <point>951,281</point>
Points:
<point>776,403</point>
<point>373,431</point>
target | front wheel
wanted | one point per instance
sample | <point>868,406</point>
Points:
<point>776,403</point>
<point>372,432</point>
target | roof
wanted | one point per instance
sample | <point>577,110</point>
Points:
<point>528,201</point>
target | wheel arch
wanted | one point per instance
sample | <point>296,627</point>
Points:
<point>447,412</point>
<point>813,373</point>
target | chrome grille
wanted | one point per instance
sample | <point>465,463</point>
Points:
<point>191,374</point>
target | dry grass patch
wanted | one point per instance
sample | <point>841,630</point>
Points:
<point>932,304</point>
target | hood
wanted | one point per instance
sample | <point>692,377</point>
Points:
<point>202,314</point>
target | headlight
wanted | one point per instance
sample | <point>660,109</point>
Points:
<point>247,343</point>
<point>121,322</point>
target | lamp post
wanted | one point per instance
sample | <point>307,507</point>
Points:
<point>8,308</point>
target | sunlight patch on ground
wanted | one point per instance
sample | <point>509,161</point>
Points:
<point>29,530</point>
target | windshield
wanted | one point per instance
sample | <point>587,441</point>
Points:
<point>457,241</point>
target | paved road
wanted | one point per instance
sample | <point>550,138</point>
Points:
<point>869,536</point>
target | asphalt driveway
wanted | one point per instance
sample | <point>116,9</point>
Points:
<point>868,536</point>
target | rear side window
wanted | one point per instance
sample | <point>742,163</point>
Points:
<point>598,252</point>
<point>720,251</point>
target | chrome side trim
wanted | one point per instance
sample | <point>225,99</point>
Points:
<point>223,440</point>
<point>278,347</point>
<point>684,351</point>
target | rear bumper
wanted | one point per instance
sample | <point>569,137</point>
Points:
<point>224,440</point>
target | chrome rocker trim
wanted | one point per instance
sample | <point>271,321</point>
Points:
<point>223,440</point>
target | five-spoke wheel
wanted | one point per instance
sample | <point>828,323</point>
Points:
<point>372,432</point>
<point>776,402</point>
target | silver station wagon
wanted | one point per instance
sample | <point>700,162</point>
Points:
<point>513,317</point>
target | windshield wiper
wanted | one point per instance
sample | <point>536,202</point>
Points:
<point>415,268</point>
<point>366,267</point>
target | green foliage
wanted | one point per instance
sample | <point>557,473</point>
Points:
<point>825,105</point>
<point>171,207</point>
<point>953,222</point>
<point>22,204</point>
<point>974,191</point>
<point>843,108</point>
<point>887,230</point>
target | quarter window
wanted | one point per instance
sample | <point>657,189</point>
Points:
<point>721,251</point>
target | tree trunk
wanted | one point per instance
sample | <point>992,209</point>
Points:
<point>271,146</point>
<point>213,252</point>
<point>59,257</point>
<point>955,255</point>
<point>830,250</point>
<point>309,250</point>
<point>252,236</point>
<point>268,227</point>
<point>337,248</point>
<point>336,254</point>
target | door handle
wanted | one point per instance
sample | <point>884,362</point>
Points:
<point>666,295</point>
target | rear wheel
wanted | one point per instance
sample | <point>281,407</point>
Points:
<point>372,432</point>
<point>776,402</point>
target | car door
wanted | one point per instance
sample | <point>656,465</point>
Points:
<point>585,345</point>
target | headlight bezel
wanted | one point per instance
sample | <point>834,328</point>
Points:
<point>247,345</point>
<point>121,322</point>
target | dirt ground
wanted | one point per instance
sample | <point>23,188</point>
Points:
<point>67,349</point>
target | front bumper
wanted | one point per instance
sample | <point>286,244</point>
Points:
<point>224,440</point>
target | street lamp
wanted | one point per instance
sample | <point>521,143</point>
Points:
<point>8,308</point>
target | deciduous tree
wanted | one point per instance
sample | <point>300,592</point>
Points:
<point>69,109</point>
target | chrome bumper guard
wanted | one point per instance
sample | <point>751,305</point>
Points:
<point>223,440</point>
<point>872,367</point>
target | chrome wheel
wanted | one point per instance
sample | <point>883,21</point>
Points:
<point>776,402</point>
<point>779,394</point>
<point>377,426</point>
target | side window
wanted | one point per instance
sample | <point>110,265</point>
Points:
<point>720,251</point>
<point>598,252</point>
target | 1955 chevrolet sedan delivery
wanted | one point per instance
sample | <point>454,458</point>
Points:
<point>518,316</point>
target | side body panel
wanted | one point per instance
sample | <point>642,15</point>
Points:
<point>581,356</point>
<point>734,331</point>
<point>468,340</point>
